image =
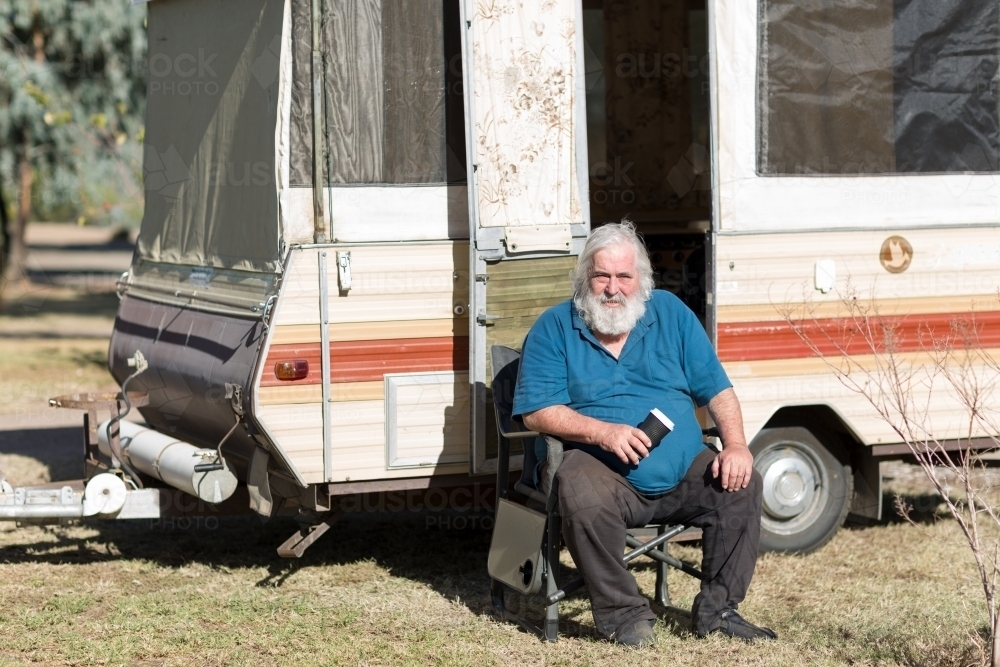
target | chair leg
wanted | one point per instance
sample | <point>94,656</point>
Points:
<point>497,598</point>
<point>550,625</point>
<point>662,589</point>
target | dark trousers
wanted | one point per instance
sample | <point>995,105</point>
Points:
<point>597,505</point>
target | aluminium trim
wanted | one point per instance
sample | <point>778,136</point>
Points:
<point>324,323</point>
<point>275,447</point>
<point>893,229</point>
<point>902,449</point>
<point>165,300</point>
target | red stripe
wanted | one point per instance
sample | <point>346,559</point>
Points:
<point>779,339</point>
<point>366,360</point>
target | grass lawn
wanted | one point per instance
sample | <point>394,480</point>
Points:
<point>408,588</point>
<point>388,589</point>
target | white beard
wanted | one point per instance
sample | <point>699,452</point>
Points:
<point>609,321</point>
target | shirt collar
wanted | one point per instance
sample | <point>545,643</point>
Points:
<point>647,320</point>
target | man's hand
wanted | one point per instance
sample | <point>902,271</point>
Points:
<point>629,444</point>
<point>735,465</point>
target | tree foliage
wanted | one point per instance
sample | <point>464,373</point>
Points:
<point>72,96</point>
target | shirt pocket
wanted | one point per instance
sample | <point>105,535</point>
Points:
<point>665,368</point>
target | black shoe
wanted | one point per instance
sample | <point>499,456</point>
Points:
<point>635,634</point>
<point>735,625</point>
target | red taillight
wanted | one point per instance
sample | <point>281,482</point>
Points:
<point>295,369</point>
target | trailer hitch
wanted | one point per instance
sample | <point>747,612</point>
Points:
<point>104,495</point>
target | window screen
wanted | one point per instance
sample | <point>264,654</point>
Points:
<point>878,86</point>
<point>393,80</point>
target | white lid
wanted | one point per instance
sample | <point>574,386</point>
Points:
<point>665,420</point>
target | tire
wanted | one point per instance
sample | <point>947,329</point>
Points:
<point>807,491</point>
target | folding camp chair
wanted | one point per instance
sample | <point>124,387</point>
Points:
<point>524,551</point>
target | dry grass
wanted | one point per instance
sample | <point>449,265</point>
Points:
<point>389,590</point>
<point>403,589</point>
<point>32,371</point>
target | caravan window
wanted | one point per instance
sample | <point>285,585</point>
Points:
<point>393,80</point>
<point>878,86</point>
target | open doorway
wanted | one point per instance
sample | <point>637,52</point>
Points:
<point>648,131</point>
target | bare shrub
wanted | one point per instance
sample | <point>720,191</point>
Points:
<point>902,379</point>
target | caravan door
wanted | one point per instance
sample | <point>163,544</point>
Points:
<point>526,138</point>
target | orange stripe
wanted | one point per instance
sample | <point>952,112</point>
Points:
<point>779,339</point>
<point>363,361</point>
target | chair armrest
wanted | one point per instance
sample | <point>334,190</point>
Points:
<point>513,429</point>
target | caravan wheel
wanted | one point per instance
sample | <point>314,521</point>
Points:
<point>807,492</point>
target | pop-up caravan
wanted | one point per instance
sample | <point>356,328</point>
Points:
<point>349,201</point>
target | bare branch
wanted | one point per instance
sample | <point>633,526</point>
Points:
<point>864,351</point>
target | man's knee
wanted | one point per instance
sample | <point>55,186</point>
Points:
<point>578,487</point>
<point>756,486</point>
<point>756,489</point>
<point>743,507</point>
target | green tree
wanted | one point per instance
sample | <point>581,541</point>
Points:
<point>72,97</point>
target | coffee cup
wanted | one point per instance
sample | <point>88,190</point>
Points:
<point>656,425</point>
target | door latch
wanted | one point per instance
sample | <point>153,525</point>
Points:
<point>344,270</point>
<point>485,320</point>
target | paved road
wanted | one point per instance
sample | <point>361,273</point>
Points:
<point>72,291</point>
<point>88,258</point>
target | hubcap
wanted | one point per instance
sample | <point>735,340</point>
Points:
<point>794,480</point>
<point>789,487</point>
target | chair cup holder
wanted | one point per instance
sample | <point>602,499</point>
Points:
<point>516,547</point>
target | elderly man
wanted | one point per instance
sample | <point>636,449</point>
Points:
<point>591,370</point>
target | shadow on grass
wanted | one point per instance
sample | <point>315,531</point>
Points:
<point>60,450</point>
<point>444,550</point>
<point>41,301</point>
<point>417,546</point>
<point>923,508</point>
<point>452,562</point>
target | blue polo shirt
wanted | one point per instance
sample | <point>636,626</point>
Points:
<point>667,363</point>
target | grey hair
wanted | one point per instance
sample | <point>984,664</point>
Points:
<point>606,236</point>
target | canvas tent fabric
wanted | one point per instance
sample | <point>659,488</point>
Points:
<point>211,117</point>
<point>529,114</point>
<point>904,86</point>
<point>393,104</point>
